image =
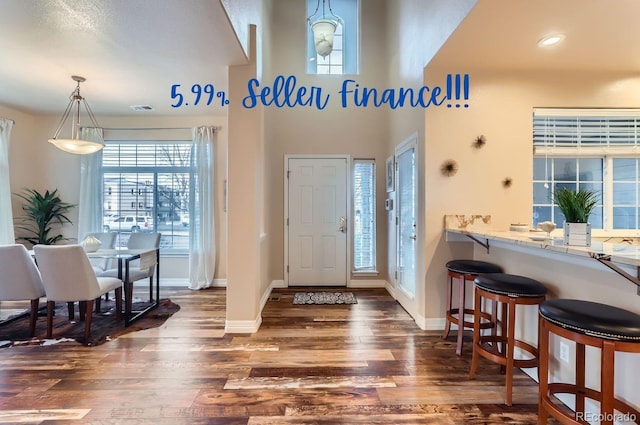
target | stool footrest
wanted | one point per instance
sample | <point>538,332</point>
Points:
<point>565,388</point>
<point>489,352</point>
<point>453,316</point>
<point>561,411</point>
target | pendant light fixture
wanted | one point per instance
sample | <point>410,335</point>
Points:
<point>323,28</point>
<point>75,144</point>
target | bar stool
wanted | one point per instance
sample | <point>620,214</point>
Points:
<point>597,325</point>
<point>508,291</point>
<point>464,271</point>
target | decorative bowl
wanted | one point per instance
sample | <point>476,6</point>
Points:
<point>547,226</point>
<point>517,227</point>
<point>91,244</point>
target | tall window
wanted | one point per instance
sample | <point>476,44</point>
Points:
<point>343,59</point>
<point>594,149</point>
<point>147,187</point>
<point>364,215</point>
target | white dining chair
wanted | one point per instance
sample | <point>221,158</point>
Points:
<point>20,279</point>
<point>138,241</point>
<point>67,276</point>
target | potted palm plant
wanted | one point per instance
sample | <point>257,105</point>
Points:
<point>576,205</point>
<point>42,213</point>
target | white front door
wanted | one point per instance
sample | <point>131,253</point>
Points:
<point>406,196</point>
<point>317,221</point>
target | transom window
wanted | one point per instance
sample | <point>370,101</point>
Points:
<point>147,188</point>
<point>593,149</point>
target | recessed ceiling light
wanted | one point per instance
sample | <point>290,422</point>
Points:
<point>550,40</point>
<point>141,107</point>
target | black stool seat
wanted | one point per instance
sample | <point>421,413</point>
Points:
<point>510,285</point>
<point>590,318</point>
<point>472,267</point>
<point>610,329</point>
<point>506,292</point>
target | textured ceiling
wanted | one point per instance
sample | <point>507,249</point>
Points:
<point>133,51</point>
<point>130,51</point>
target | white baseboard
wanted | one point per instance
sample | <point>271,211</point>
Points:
<point>252,326</point>
<point>432,324</point>
<point>391,290</point>
<point>278,284</point>
<point>243,326</point>
<point>184,282</point>
<point>179,282</point>
<point>267,293</point>
<point>265,297</point>
<point>220,283</point>
<point>367,283</point>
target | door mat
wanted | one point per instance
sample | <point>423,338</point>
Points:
<point>324,298</point>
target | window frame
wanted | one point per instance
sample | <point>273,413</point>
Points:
<point>371,269</point>
<point>608,150</point>
<point>155,171</point>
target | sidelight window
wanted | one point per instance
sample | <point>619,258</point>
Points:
<point>364,215</point>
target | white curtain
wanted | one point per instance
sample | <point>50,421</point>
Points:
<point>7,235</point>
<point>90,199</point>
<point>202,235</point>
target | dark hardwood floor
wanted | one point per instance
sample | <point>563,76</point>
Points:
<point>366,363</point>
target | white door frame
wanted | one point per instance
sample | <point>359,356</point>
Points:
<point>408,302</point>
<point>347,158</point>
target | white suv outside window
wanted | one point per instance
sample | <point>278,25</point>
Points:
<point>128,223</point>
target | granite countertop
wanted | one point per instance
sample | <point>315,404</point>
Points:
<point>480,228</point>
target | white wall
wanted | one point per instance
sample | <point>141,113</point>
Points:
<point>25,165</point>
<point>241,14</point>
<point>245,285</point>
<point>359,132</point>
<point>417,29</point>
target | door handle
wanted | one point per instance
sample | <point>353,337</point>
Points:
<point>412,237</point>
<point>342,227</point>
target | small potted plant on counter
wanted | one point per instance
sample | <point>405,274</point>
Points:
<point>576,207</point>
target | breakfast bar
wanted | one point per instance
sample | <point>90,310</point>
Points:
<point>622,258</point>
<point>605,272</point>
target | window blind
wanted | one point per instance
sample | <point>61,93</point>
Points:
<point>364,207</point>
<point>585,127</point>
<point>149,182</point>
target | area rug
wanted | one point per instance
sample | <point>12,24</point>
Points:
<point>104,326</point>
<point>324,298</point>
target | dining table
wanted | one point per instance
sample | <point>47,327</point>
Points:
<point>124,258</point>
